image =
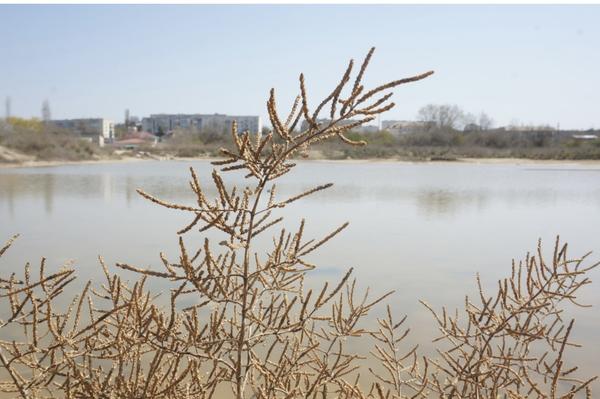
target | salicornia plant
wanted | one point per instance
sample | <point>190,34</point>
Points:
<point>268,337</point>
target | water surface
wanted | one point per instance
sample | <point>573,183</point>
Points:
<point>423,229</point>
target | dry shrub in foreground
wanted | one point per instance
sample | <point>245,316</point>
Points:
<point>240,323</point>
<point>512,343</point>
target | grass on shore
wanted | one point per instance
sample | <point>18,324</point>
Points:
<point>41,142</point>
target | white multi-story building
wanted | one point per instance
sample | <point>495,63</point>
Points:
<point>404,127</point>
<point>97,130</point>
<point>164,123</point>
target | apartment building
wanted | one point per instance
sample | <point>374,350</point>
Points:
<point>157,123</point>
<point>97,130</point>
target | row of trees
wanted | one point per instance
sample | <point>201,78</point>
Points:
<point>448,116</point>
<point>452,117</point>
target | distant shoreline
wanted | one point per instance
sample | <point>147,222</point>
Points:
<point>42,164</point>
<point>486,161</point>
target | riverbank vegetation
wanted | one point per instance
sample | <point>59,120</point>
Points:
<point>243,323</point>
<point>446,144</point>
<point>34,140</point>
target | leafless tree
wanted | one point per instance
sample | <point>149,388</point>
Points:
<point>443,116</point>
<point>484,121</point>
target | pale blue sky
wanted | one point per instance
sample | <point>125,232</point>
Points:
<point>532,64</point>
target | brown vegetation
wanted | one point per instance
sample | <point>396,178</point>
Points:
<point>241,323</point>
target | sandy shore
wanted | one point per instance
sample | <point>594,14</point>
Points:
<point>585,162</point>
<point>487,161</point>
<point>39,164</point>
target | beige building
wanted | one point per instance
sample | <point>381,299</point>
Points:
<point>96,130</point>
<point>404,127</point>
<point>219,123</point>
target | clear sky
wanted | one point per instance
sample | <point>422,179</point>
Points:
<point>526,64</point>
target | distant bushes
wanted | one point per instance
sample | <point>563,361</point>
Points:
<point>45,142</point>
<point>438,143</point>
<point>427,144</point>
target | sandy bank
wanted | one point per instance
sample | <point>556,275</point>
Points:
<point>486,161</point>
<point>39,164</point>
<point>521,161</point>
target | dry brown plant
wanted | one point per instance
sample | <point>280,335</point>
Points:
<point>512,343</point>
<point>240,323</point>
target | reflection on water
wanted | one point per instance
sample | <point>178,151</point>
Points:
<point>420,229</point>
<point>441,202</point>
<point>429,188</point>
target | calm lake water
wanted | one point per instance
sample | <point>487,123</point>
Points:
<point>423,230</point>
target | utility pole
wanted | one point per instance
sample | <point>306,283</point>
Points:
<point>7,114</point>
<point>46,115</point>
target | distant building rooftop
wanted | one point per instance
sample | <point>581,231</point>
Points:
<point>585,136</point>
